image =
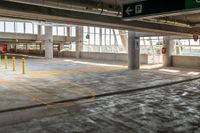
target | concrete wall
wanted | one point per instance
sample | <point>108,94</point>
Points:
<point>90,55</point>
<point>105,56</point>
<point>112,57</point>
<point>69,54</point>
<point>31,37</point>
<point>186,61</point>
<point>31,52</point>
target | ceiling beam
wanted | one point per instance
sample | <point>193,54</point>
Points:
<point>86,4</point>
<point>34,12</point>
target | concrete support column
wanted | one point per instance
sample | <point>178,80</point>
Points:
<point>79,42</point>
<point>61,47</point>
<point>168,43</point>
<point>48,42</point>
<point>41,48</point>
<point>27,48</point>
<point>68,31</point>
<point>39,35</point>
<point>133,51</point>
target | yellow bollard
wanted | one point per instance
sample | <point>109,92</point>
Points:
<point>6,62</point>
<point>23,66</point>
<point>13,63</point>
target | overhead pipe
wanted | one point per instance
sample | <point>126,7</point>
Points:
<point>76,5</point>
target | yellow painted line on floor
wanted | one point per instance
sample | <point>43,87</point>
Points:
<point>82,89</point>
<point>72,72</point>
<point>73,103</point>
<point>33,98</point>
<point>61,105</point>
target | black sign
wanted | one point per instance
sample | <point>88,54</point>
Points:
<point>151,7</point>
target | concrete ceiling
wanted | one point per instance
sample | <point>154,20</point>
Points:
<point>113,2</point>
<point>64,11</point>
<point>190,19</point>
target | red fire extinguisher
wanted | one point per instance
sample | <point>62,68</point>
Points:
<point>164,50</point>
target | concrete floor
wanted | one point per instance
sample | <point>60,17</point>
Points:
<point>67,95</point>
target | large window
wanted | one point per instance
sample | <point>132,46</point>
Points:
<point>98,39</point>
<point>55,32</point>
<point>66,31</point>
<point>43,29</point>
<point>187,47</point>
<point>101,36</point>
<point>32,28</point>
<point>29,28</point>
<point>9,27</point>
<point>2,26</point>
<point>153,47</point>
<point>19,27</point>
<point>35,29</point>
<point>61,30</point>
<point>72,31</point>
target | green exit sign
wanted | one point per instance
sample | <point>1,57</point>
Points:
<point>190,4</point>
<point>155,8</point>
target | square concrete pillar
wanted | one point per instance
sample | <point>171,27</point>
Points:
<point>79,42</point>
<point>60,48</point>
<point>48,42</point>
<point>42,46</point>
<point>133,51</point>
<point>168,43</point>
<point>27,48</point>
<point>39,35</point>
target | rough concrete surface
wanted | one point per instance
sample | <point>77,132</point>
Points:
<point>141,101</point>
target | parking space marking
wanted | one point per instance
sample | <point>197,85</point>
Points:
<point>33,98</point>
<point>49,104</point>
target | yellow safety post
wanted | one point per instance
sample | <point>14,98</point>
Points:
<point>13,63</point>
<point>6,62</point>
<point>23,66</point>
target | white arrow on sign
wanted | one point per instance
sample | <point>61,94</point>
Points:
<point>128,10</point>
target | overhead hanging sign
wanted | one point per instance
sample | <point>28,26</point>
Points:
<point>152,8</point>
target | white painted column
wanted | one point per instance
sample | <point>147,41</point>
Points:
<point>168,43</point>
<point>133,51</point>
<point>48,42</point>
<point>79,42</point>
